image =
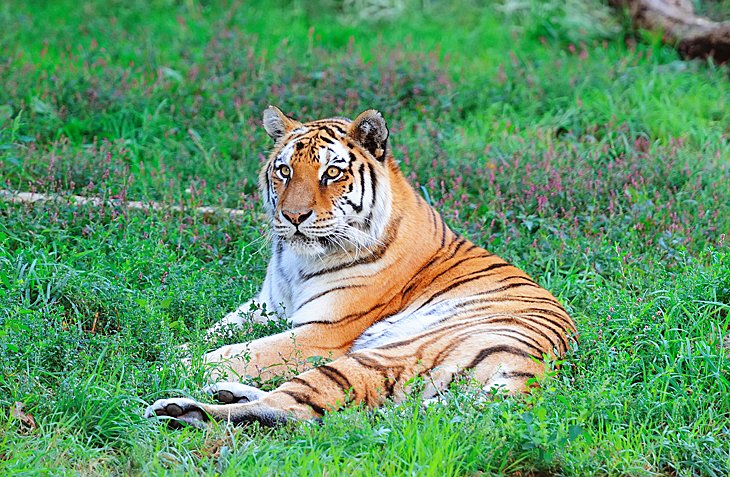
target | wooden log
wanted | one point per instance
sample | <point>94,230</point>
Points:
<point>692,35</point>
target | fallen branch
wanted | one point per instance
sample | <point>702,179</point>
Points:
<point>692,35</point>
<point>32,198</point>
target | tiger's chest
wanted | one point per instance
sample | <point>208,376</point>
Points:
<point>330,292</point>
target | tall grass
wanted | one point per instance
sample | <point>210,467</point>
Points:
<point>596,163</point>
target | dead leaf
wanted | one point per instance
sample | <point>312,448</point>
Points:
<point>26,419</point>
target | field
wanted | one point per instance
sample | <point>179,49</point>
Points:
<point>590,156</point>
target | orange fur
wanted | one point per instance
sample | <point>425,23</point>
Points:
<point>400,296</point>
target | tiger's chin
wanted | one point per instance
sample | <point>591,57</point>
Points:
<point>305,246</point>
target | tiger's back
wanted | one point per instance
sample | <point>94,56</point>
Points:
<point>369,274</point>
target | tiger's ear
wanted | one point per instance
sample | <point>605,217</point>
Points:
<point>277,124</point>
<point>370,131</point>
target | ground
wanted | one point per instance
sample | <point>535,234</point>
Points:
<point>594,159</point>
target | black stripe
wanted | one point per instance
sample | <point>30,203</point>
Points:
<point>521,277</point>
<point>518,374</point>
<point>559,332</point>
<point>389,382</point>
<point>356,316</point>
<point>471,278</point>
<point>460,242</point>
<point>338,159</point>
<point>369,219</point>
<point>470,331</point>
<point>395,377</point>
<point>362,187</point>
<point>542,311</point>
<point>475,246</point>
<point>486,298</point>
<point>299,380</point>
<point>415,281</point>
<point>457,340</point>
<point>373,185</point>
<point>355,207</point>
<point>270,185</point>
<point>377,254</point>
<point>339,129</point>
<point>429,333</point>
<point>296,138</point>
<point>335,376</point>
<point>491,267</point>
<point>538,329</point>
<point>487,352</point>
<point>328,130</point>
<point>368,362</point>
<point>532,325</point>
<point>525,342</point>
<point>433,216</point>
<point>445,352</point>
<point>535,343</point>
<point>524,322</point>
<point>345,319</point>
<point>302,399</point>
<point>320,295</point>
<point>477,298</point>
<point>341,209</point>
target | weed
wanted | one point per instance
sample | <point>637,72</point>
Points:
<point>597,164</point>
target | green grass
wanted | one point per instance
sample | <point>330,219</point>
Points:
<point>598,163</point>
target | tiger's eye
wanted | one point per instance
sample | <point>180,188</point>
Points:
<point>284,171</point>
<point>332,172</point>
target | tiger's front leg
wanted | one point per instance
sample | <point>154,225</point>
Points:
<point>275,355</point>
<point>370,376</point>
<point>355,378</point>
<point>265,358</point>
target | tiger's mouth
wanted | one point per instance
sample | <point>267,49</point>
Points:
<point>341,237</point>
<point>302,244</point>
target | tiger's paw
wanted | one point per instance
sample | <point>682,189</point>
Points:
<point>229,392</point>
<point>178,412</point>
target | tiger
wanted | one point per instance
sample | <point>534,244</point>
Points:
<point>370,277</point>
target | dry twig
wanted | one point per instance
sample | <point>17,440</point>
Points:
<point>32,198</point>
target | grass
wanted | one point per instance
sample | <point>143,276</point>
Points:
<point>596,162</point>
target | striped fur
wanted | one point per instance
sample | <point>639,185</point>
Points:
<point>371,276</point>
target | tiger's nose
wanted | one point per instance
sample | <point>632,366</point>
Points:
<point>296,218</point>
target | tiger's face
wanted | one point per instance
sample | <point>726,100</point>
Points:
<point>325,185</point>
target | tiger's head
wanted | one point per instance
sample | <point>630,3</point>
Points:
<point>326,184</point>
